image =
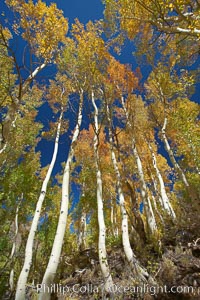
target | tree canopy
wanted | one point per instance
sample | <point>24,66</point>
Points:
<point>118,202</point>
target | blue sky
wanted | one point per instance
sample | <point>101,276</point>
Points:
<point>84,10</point>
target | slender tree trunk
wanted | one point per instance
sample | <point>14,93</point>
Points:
<point>167,145</point>
<point>116,224</point>
<point>151,221</point>
<point>156,209</point>
<point>193,152</point>
<point>192,193</point>
<point>82,232</point>
<point>138,224</point>
<point>171,155</point>
<point>50,273</point>
<point>11,114</point>
<point>156,189</point>
<point>113,220</point>
<point>165,200</point>
<point>23,277</point>
<point>139,271</point>
<point>82,226</point>
<point>11,279</point>
<point>130,256</point>
<point>108,283</point>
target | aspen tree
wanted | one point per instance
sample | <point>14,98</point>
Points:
<point>37,32</point>
<point>140,272</point>
<point>102,229</point>
<point>23,277</point>
<point>165,200</point>
<point>52,266</point>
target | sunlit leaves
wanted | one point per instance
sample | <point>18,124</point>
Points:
<point>175,22</point>
<point>7,78</point>
<point>168,92</point>
<point>43,27</point>
<point>121,76</point>
<point>185,131</point>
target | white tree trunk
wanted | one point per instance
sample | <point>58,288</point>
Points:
<point>116,223</point>
<point>171,155</point>
<point>151,221</point>
<point>158,197</point>
<point>82,232</point>
<point>186,30</point>
<point>165,200</point>
<point>108,283</point>
<point>141,273</point>
<point>156,209</point>
<point>156,189</point>
<point>130,256</point>
<point>113,220</point>
<point>125,236</point>
<point>36,71</point>
<point>10,116</point>
<point>11,279</point>
<point>50,273</point>
<point>22,280</point>
<point>3,148</point>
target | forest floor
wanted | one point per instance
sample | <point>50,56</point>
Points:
<point>176,273</point>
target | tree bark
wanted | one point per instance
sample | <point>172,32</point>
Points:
<point>108,283</point>
<point>50,273</point>
<point>171,155</point>
<point>23,277</point>
<point>11,114</point>
<point>130,256</point>
<point>82,232</point>
<point>151,221</point>
<point>13,251</point>
<point>139,223</point>
<point>165,200</point>
<point>113,220</point>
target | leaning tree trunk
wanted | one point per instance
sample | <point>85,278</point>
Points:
<point>140,272</point>
<point>166,205</point>
<point>156,209</point>
<point>108,283</point>
<point>113,219</point>
<point>13,251</point>
<point>23,277</point>
<point>192,194</point>
<point>151,221</point>
<point>11,113</point>
<point>171,155</point>
<point>52,266</point>
<point>82,232</point>
<point>155,188</point>
<point>167,145</point>
<point>81,241</point>
<point>138,224</point>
